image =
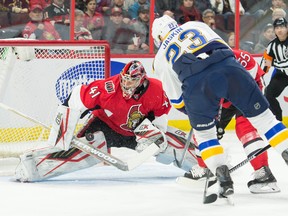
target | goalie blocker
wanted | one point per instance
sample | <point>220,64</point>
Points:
<point>35,166</point>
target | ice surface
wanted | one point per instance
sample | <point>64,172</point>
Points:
<point>149,190</point>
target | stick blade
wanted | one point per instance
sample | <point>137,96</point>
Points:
<point>210,198</point>
<point>148,152</point>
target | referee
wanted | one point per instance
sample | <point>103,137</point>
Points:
<point>276,55</point>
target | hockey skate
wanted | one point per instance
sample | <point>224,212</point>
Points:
<point>26,169</point>
<point>264,182</point>
<point>196,177</point>
<point>285,156</point>
<point>225,181</point>
<point>198,173</point>
<point>38,165</point>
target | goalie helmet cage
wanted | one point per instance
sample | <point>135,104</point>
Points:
<point>36,76</point>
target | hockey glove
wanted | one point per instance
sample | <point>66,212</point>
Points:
<point>146,134</point>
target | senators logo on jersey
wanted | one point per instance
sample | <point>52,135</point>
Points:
<point>134,117</point>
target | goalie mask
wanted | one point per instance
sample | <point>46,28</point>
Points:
<point>132,77</point>
<point>161,27</point>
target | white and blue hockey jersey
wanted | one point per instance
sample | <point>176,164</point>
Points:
<point>187,38</point>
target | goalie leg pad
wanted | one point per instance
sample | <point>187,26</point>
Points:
<point>26,171</point>
<point>45,166</point>
<point>176,140</point>
<point>167,157</point>
<point>63,127</point>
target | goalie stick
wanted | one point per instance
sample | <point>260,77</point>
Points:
<point>179,163</point>
<point>97,153</point>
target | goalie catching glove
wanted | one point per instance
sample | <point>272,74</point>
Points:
<point>146,134</point>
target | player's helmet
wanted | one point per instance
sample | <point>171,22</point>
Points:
<point>161,27</point>
<point>132,76</point>
<point>280,22</point>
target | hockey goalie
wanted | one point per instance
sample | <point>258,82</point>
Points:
<point>126,110</point>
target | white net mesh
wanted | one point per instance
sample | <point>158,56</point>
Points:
<point>36,85</point>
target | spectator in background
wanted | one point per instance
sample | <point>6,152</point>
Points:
<point>103,6</point>
<point>264,39</point>
<point>208,17</point>
<point>133,10</point>
<point>93,21</point>
<point>17,6</point>
<point>141,27</point>
<point>119,4</point>
<point>256,8</point>
<point>43,3</point>
<point>244,45</point>
<point>80,32</point>
<point>231,39</point>
<point>3,7</point>
<point>80,4</point>
<point>268,13</point>
<point>275,4</point>
<point>187,12</point>
<point>128,4</point>
<point>58,14</point>
<point>202,5</point>
<point>166,7</point>
<point>226,8</point>
<point>38,28</point>
<point>278,13</point>
<point>119,34</point>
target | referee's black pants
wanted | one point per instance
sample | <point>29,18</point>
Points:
<point>278,83</point>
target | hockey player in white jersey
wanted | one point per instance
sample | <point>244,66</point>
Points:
<point>198,68</point>
<point>264,180</point>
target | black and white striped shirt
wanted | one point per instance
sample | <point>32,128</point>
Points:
<point>277,53</point>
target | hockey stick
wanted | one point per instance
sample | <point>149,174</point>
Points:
<point>179,163</point>
<point>23,115</point>
<point>211,197</point>
<point>97,153</point>
<point>250,158</point>
<point>110,159</point>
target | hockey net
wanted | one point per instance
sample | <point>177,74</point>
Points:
<point>34,78</point>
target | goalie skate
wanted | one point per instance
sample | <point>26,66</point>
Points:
<point>34,167</point>
<point>26,170</point>
<point>264,182</point>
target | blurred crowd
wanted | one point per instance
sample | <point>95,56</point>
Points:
<point>125,23</point>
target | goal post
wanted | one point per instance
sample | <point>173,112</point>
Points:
<point>36,76</point>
